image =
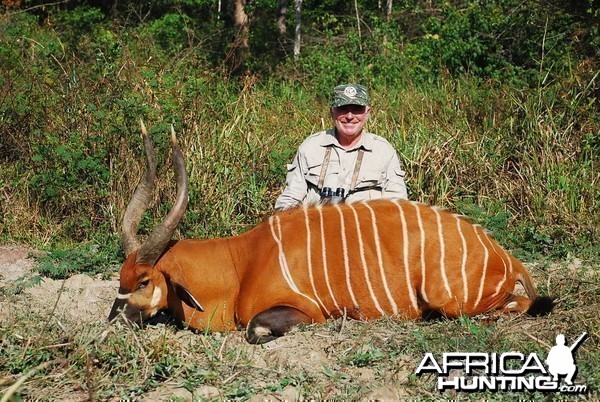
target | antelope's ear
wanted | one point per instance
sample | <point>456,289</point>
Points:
<point>187,297</point>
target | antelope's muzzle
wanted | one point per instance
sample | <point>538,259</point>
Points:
<point>118,306</point>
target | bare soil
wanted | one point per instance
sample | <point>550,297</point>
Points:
<point>79,298</point>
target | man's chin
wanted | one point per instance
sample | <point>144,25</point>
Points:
<point>349,129</point>
<point>351,133</point>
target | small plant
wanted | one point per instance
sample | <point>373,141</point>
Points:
<point>366,356</point>
<point>26,281</point>
<point>87,258</point>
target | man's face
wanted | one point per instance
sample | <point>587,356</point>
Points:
<point>349,121</point>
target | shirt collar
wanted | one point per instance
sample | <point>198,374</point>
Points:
<point>366,141</point>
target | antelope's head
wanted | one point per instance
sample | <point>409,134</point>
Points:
<point>143,289</point>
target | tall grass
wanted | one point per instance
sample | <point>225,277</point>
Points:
<point>71,152</point>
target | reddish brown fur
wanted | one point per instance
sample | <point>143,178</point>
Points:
<point>236,278</point>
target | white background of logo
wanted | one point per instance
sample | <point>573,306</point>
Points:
<point>350,92</point>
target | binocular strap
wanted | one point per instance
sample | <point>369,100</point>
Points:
<point>357,164</point>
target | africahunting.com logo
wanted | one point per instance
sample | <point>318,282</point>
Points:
<point>510,371</point>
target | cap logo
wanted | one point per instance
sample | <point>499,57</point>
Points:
<point>350,92</point>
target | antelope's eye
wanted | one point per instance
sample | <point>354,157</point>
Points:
<point>142,285</point>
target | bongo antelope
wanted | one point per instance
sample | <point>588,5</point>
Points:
<point>311,263</point>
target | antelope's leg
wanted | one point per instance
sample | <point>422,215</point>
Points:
<point>515,304</point>
<point>273,323</point>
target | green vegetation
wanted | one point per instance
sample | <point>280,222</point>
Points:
<point>87,258</point>
<point>492,105</point>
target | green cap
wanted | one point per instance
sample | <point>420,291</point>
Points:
<point>350,94</point>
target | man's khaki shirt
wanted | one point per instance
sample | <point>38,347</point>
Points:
<point>380,174</point>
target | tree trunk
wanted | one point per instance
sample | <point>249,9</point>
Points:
<point>241,23</point>
<point>281,11</point>
<point>297,29</point>
<point>358,25</point>
<point>388,9</point>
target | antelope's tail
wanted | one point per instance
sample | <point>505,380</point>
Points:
<point>540,305</point>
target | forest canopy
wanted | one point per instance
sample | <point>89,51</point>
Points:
<point>380,40</point>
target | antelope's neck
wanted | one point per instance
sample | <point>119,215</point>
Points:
<point>241,249</point>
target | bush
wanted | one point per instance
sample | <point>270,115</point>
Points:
<point>88,258</point>
<point>454,105</point>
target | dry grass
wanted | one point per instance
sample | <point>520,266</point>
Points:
<point>49,354</point>
<point>505,149</point>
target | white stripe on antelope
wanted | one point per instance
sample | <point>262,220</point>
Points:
<point>304,265</point>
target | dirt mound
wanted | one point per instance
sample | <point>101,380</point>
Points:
<point>79,298</point>
<point>15,262</point>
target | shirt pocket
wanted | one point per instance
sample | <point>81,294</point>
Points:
<point>313,172</point>
<point>399,172</point>
<point>369,177</point>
